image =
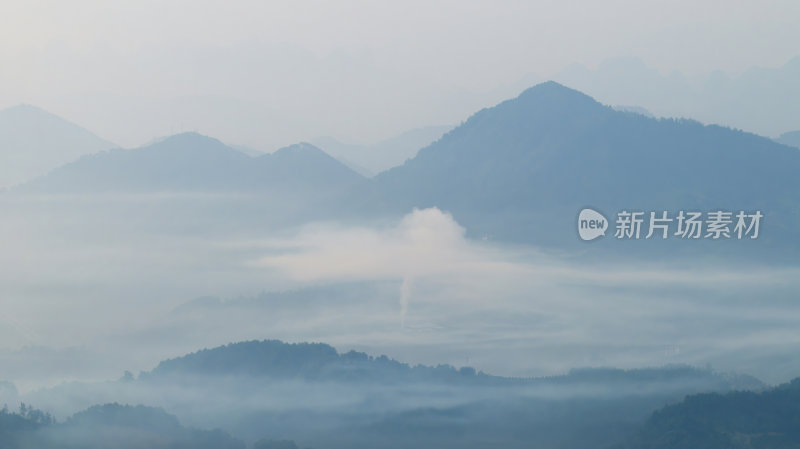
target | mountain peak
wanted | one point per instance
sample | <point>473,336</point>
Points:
<point>312,163</point>
<point>27,115</point>
<point>552,93</point>
<point>188,138</point>
<point>552,150</point>
<point>300,148</point>
<point>24,108</point>
<point>192,144</point>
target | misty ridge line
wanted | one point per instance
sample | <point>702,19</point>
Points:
<point>312,361</point>
<point>226,369</point>
<point>350,155</point>
<point>615,81</point>
<point>29,132</point>
<point>292,368</point>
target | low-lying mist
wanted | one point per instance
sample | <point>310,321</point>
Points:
<point>96,285</point>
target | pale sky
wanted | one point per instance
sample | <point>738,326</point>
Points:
<point>267,73</point>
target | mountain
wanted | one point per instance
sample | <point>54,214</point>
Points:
<point>305,361</point>
<point>791,138</point>
<point>310,393</point>
<point>371,159</point>
<point>521,171</point>
<point>313,394</point>
<point>321,362</point>
<point>740,419</point>
<point>34,141</point>
<point>191,162</point>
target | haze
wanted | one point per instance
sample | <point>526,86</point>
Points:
<point>267,74</point>
<point>356,224</point>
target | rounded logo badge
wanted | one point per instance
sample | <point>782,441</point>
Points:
<point>591,224</point>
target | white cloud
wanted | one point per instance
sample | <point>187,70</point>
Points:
<point>425,243</point>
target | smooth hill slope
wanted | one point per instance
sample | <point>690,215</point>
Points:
<point>34,141</point>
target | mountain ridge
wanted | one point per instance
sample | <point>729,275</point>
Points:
<point>314,361</point>
<point>193,162</point>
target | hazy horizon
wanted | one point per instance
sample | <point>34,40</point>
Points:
<point>284,73</point>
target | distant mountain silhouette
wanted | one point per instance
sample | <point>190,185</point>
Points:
<point>321,362</point>
<point>191,162</point>
<point>372,159</point>
<point>312,394</point>
<point>34,141</point>
<point>521,171</point>
<point>399,405</point>
<point>304,361</point>
<point>791,138</point>
<point>746,420</point>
